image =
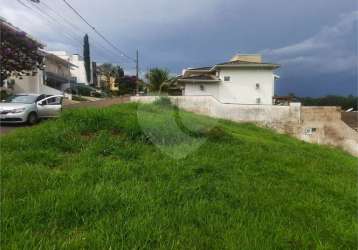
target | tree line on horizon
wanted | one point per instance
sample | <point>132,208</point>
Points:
<point>345,102</point>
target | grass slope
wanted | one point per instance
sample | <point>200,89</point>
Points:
<point>94,180</point>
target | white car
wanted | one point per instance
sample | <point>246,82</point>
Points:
<point>21,108</point>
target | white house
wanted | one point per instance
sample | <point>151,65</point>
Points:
<point>52,80</point>
<point>245,79</point>
<point>79,72</point>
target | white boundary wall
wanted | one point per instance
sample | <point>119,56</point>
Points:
<point>295,120</point>
<point>208,105</point>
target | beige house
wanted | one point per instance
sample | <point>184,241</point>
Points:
<point>107,82</point>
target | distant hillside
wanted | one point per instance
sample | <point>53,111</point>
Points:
<point>153,177</point>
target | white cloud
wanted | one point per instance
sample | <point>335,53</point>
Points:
<point>332,50</point>
<point>25,20</point>
<point>58,46</point>
<point>39,26</point>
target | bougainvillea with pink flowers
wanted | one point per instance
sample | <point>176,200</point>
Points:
<point>19,54</point>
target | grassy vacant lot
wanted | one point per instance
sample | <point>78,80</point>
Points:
<point>102,179</point>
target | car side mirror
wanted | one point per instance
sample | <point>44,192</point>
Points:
<point>40,103</point>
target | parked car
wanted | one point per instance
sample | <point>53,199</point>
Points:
<point>21,108</point>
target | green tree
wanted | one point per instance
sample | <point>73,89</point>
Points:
<point>157,77</point>
<point>345,102</point>
<point>120,72</point>
<point>127,85</point>
<point>87,57</point>
<point>110,70</point>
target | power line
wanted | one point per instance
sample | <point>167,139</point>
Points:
<point>23,4</point>
<point>96,31</point>
<point>75,28</point>
<point>47,18</point>
<point>68,33</point>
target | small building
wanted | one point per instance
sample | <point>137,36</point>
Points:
<point>245,79</point>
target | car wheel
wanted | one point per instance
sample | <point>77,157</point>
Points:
<point>32,118</point>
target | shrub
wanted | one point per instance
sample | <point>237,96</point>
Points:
<point>163,101</point>
<point>3,95</point>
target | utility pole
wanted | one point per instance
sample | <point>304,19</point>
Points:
<point>137,71</point>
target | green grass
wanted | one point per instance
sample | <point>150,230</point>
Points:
<point>126,177</point>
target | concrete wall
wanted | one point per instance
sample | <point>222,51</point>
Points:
<point>207,105</point>
<point>351,119</point>
<point>33,84</point>
<point>321,113</point>
<point>322,125</point>
<point>28,84</point>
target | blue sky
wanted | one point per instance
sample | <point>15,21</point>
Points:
<point>314,41</point>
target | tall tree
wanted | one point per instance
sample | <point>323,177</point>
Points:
<point>120,72</point>
<point>87,58</point>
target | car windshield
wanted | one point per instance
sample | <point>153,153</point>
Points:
<point>28,99</point>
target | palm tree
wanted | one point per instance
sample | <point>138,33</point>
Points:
<point>157,77</point>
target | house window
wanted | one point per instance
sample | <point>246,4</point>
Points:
<point>257,85</point>
<point>202,88</point>
<point>227,78</point>
<point>258,100</point>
